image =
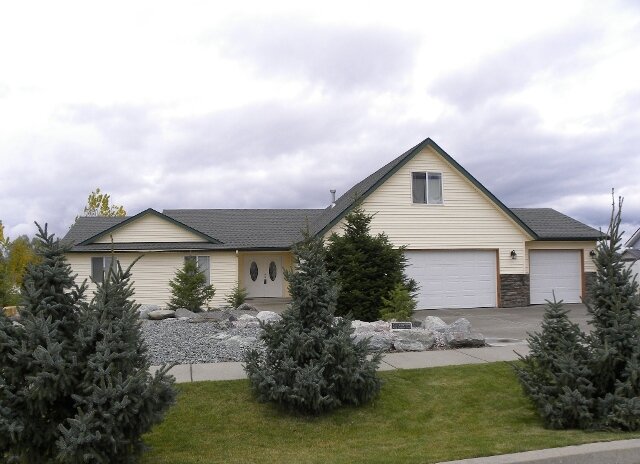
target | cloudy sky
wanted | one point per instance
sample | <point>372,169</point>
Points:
<point>194,105</point>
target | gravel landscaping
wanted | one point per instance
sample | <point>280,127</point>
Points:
<point>182,342</point>
<point>183,337</point>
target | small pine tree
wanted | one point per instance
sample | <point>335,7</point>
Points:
<point>310,363</point>
<point>399,305</point>
<point>367,267</point>
<point>615,338</point>
<point>189,288</point>
<point>117,399</point>
<point>556,375</point>
<point>237,296</point>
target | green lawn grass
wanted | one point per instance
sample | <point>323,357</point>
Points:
<point>421,416</point>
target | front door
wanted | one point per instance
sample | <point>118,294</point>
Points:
<point>263,275</point>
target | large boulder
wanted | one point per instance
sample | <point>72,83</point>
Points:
<point>465,339</point>
<point>160,314</point>
<point>434,324</point>
<point>268,317</point>
<point>460,325</point>
<point>460,335</point>
<point>407,340</point>
<point>408,345</point>
<point>378,341</point>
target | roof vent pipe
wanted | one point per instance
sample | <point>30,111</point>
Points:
<point>333,197</point>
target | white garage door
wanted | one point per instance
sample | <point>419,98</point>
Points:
<point>454,279</point>
<point>555,271</point>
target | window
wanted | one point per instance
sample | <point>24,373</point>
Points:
<point>426,187</point>
<point>203,265</point>
<point>100,265</point>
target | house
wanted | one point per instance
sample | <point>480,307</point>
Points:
<point>465,248</point>
<point>631,255</point>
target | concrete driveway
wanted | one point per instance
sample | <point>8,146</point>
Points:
<point>505,323</point>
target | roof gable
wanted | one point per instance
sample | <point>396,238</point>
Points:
<point>633,241</point>
<point>364,188</point>
<point>150,226</point>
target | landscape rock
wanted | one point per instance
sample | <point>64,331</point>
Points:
<point>183,312</point>
<point>247,307</point>
<point>426,338</point>
<point>465,339</point>
<point>408,345</point>
<point>246,321</point>
<point>461,325</point>
<point>378,341</point>
<point>145,309</point>
<point>211,316</point>
<point>434,324</point>
<point>161,314</point>
<point>268,317</point>
<point>376,326</point>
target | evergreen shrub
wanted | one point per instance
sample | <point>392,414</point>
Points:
<point>367,267</point>
<point>590,381</point>
<point>75,385</point>
<point>189,288</point>
<point>310,364</point>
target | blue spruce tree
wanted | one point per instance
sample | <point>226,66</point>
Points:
<point>310,363</point>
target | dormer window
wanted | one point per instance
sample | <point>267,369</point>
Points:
<point>426,187</point>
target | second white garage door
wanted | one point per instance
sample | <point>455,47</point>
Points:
<point>555,271</point>
<point>454,279</point>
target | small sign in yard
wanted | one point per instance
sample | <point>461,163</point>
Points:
<point>401,325</point>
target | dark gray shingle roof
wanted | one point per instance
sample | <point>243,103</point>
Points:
<point>248,228</point>
<point>87,227</point>
<point>549,224</point>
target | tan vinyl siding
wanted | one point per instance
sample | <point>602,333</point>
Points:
<point>586,247</point>
<point>151,228</point>
<point>467,219</point>
<point>224,275</point>
<point>153,272</point>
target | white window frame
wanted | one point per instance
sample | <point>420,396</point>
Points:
<point>204,263</point>
<point>111,259</point>
<point>426,188</point>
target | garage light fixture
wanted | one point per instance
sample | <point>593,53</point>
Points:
<point>592,253</point>
<point>514,255</point>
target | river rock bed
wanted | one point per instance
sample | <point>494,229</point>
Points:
<point>221,336</point>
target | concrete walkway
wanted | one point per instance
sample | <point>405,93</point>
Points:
<point>611,452</point>
<point>390,361</point>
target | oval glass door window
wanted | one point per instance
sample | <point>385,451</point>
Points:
<point>273,271</point>
<point>253,271</point>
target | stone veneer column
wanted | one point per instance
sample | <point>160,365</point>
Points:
<point>514,290</point>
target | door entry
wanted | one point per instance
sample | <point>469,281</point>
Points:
<point>263,276</point>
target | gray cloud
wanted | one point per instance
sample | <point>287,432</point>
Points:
<point>549,57</point>
<point>337,57</point>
